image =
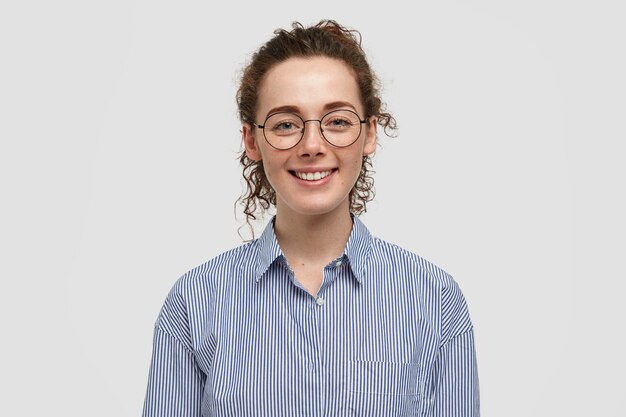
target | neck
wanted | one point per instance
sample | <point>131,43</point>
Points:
<point>318,239</point>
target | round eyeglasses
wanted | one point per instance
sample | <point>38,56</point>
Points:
<point>340,128</point>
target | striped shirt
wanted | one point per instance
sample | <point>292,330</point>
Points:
<point>388,334</point>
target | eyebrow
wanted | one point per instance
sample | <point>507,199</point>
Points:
<point>295,109</point>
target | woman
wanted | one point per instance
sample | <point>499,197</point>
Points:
<point>316,316</point>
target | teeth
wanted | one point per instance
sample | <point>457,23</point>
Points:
<point>312,176</point>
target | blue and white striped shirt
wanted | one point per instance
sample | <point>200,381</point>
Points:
<point>387,335</point>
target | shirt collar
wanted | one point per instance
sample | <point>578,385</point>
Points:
<point>356,251</point>
<point>269,250</point>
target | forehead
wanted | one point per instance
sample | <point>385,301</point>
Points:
<point>308,84</point>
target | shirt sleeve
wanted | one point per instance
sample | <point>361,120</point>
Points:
<point>456,388</point>
<point>175,382</point>
<point>454,384</point>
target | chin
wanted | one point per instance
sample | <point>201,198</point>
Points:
<point>319,209</point>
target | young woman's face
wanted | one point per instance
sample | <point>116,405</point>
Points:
<point>310,88</point>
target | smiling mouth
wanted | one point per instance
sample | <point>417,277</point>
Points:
<point>312,176</point>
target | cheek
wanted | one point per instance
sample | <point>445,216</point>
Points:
<point>357,166</point>
<point>271,173</point>
<point>355,170</point>
<point>267,166</point>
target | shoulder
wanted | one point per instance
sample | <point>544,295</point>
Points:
<point>197,286</point>
<point>191,298</point>
<point>223,267</point>
<point>409,264</point>
<point>424,281</point>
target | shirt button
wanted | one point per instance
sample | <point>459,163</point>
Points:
<point>320,301</point>
<point>338,264</point>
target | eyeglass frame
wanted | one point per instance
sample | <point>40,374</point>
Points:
<point>304,122</point>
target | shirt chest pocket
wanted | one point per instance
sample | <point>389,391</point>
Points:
<point>382,388</point>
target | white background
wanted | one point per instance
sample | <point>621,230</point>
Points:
<point>118,173</point>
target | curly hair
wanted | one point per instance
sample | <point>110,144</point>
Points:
<point>329,39</point>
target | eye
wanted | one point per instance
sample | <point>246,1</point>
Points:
<point>284,124</point>
<point>338,122</point>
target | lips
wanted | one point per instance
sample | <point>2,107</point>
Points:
<point>312,175</point>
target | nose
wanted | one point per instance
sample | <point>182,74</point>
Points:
<point>312,142</point>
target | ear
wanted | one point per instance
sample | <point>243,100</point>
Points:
<point>370,136</point>
<point>249,141</point>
